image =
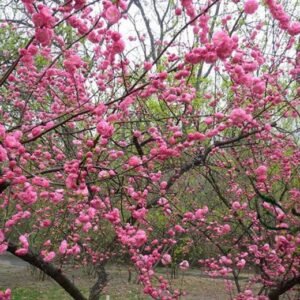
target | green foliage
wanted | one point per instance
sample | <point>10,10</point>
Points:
<point>10,42</point>
<point>40,62</point>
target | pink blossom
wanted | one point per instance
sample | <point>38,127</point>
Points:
<point>3,154</point>
<point>113,216</point>
<point>3,244</point>
<point>79,4</point>
<point>47,243</point>
<point>223,43</point>
<point>241,264</point>
<point>294,28</point>
<point>258,86</point>
<point>6,295</point>
<point>56,196</point>
<point>83,218</point>
<point>28,1</point>
<point>2,131</point>
<point>261,173</point>
<point>94,37</point>
<point>29,195</point>
<point>43,18</point>
<point>118,46</point>
<point>134,161</point>
<point>103,174</point>
<point>266,247</point>
<point>74,250</point>
<point>208,120</point>
<point>112,14</point>
<point>105,129</point>
<point>200,213</point>
<point>11,141</point>
<point>184,265</point>
<point>253,249</point>
<point>226,228</point>
<point>40,181</point>
<point>115,36</point>
<point>236,205</point>
<point>179,228</point>
<point>250,6</point>
<point>140,213</point>
<point>21,251</point>
<point>166,259</point>
<point>225,260</point>
<point>49,256</point>
<point>36,131</point>
<point>126,103</point>
<point>238,116</point>
<point>139,239</point>
<point>261,170</point>
<point>162,201</point>
<point>24,241</point>
<point>163,185</point>
<point>178,11</point>
<point>3,247</point>
<point>72,63</point>
<point>45,223</point>
<point>44,35</point>
<point>100,109</point>
<point>186,3</point>
<point>196,136</point>
<point>147,65</point>
<point>196,55</point>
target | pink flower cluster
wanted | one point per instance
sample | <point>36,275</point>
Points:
<point>48,256</point>
<point>113,216</point>
<point>238,116</point>
<point>184,265</point>
<point>25,245</point>
<point>250,6</point>
<point>43,21</point>
<point>279,14</point>
<point>6,295</point>
<point>224,45</point>
<point>261,173</point>
<point>134,161</point>
<point>112,14</point>
<point>166,259</point>
<point>105,129</point>
<point>221,47</point>
<point>3,243</point>
<point>72,63</point>
<point>132,237</point>
<point>28,195</point>
<point>64,248</point>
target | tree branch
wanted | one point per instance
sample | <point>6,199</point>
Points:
<point>50,270</point>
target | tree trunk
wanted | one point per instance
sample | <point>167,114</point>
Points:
<point>97,288</point>
<point>50,270</point>
<point>283,288</point>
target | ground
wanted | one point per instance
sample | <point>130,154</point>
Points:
<point>27,283</point>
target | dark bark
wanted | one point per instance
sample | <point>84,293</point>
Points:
<point>53,272</point>
<point>100,284</point>
<point>3,186</point>
<point>283,288</point>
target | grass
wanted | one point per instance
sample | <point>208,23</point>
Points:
<point>55,293</point>
<point>32,294</point>
<point>27,285</point>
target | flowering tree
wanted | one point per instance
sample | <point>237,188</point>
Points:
<point>117,114</point>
